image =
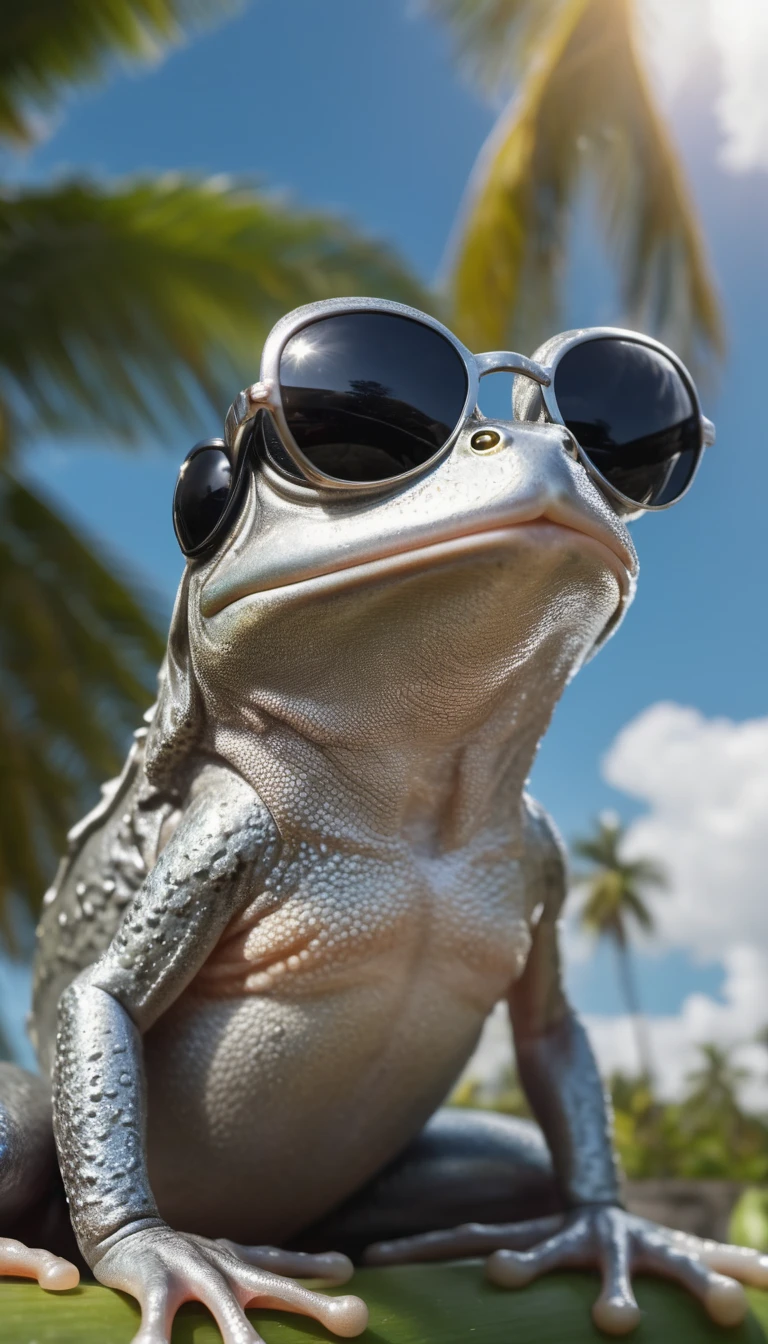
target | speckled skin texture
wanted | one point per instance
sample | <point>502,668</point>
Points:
<point>272,948</point>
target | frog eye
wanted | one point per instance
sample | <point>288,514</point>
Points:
<point>202,495</point>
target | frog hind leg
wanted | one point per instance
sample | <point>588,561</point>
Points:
<point>465,1166</point>
<point>32,1205</point>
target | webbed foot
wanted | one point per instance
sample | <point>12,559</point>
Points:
<point>51,1272</point>
<point>162,1269</point>
<point>601,1237</point>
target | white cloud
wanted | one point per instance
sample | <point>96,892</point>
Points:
<point>680,37</point>
<point>730,1024</point>
<point>705,785</point>
<point>705,782</point>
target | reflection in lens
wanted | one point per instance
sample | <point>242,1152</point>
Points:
<point>202,494</point>
<point>368,396</point>
<point>633,416</point>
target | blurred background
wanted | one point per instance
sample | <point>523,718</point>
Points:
<point>176,175</point>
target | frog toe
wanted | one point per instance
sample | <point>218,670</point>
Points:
<point>51,1271</point>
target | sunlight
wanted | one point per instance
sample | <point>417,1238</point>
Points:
<point>298,351</point>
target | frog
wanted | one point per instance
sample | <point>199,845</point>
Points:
<point>272,947</point>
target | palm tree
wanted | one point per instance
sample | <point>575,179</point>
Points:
<point>713,1087</point>
<point>615,889</point>
<point>583,116</point>
<point>119,308</point>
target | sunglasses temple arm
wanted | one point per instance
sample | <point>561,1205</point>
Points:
<point>257,397</point>
<point>506,361</point>
<point>707,432</point>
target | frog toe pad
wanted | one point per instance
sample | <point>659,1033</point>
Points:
<point>26,1262</point>
<point>162,1269</point>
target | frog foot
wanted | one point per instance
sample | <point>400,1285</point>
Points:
<point>162,1269</point>
<point>602,1237</point>
<point>25,1262</point>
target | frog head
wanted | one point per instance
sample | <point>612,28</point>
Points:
<point>451,608</point>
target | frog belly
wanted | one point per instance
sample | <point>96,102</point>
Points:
<point>264,1111</point>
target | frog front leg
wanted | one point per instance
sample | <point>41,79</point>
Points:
<point>203,877</point>
<point>559,1074</point>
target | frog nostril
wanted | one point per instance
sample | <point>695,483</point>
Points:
<point>485,440</point>
<point>570,445</point>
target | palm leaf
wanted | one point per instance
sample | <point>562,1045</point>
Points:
<point>646,872</point>
<point>495,40</point>
<point>583,115</point>
<point>46,45</point>
<point>118,308</point>
<point>79,649</point>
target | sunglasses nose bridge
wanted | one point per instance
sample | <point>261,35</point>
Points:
<point>508,361</point>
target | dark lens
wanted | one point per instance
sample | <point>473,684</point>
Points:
<point>633,415</point>
<point>202,494</point>
<point>273,446</point>
<point>369,396</point>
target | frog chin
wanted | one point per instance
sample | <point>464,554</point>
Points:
<point>424,644</point>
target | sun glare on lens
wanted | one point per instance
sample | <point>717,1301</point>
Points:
<point>299,350</point>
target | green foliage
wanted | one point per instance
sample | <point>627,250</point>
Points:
<point>614,902</point>
<point>119,307</point>
<point>79,646</point>
<point>707,1135</point>
<point>583,116</point>
<point>46,45</point>
<point>615,886</point>
<point>749,1221</point>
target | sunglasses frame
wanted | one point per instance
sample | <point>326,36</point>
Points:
<point>265,396</point>
<point>557,346</point>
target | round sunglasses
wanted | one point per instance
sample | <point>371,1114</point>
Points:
<point>365,394</point>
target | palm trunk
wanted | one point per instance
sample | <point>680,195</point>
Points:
<point>639,1024</point>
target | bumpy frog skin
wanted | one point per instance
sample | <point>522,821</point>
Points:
<point>273,946</point>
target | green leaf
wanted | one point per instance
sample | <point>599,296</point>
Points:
<point>583,116</point>
<point>435,1304</point>
<point>79,649</point>
<point>749,1220</point>
<point>495,40</point>
<point>119,308</point>
<point>46,45</point>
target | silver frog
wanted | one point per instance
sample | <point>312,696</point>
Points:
<point>273,945</point>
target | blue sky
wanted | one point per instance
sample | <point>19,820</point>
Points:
<point>359,108</point>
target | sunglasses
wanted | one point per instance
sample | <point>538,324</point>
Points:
<point>365,394</point>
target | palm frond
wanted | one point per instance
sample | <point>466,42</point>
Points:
<point>496,39</point>
<point>46,45</point>
<point>79,650</point>
<point>118,308</point>
<point>635,909</point>
<point>646,873</point>
<point>582,115</point>
<point>614,887</point>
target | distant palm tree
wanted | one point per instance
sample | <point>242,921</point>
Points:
<point>583,115</point>
<point>713,1087</point>
<point>615,900</point>
<point>120,308</point>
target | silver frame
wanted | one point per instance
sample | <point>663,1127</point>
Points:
<point>265,394</point>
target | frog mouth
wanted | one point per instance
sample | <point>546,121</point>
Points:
<point>550,528</point>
